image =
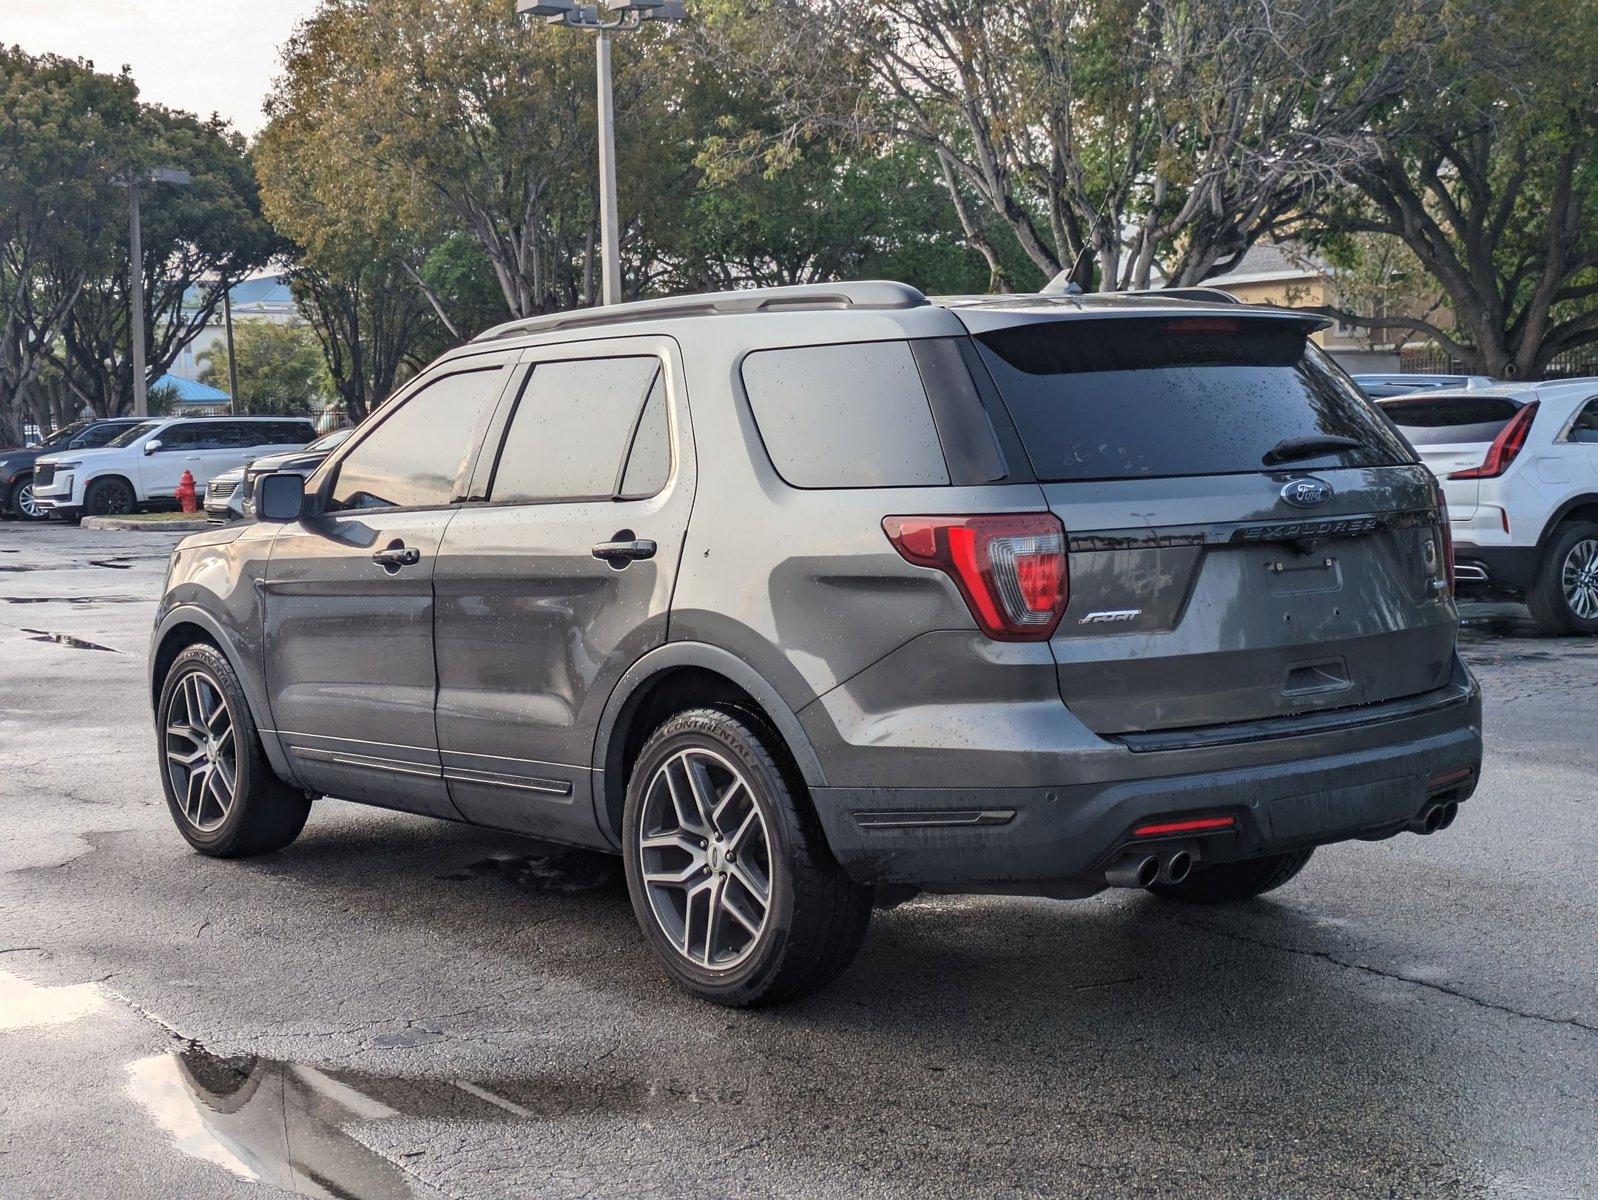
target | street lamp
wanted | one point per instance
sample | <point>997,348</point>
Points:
<point>177,177</point>
<point>622,15</point>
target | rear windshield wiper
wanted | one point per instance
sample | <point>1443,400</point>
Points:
<point>1309,446</point>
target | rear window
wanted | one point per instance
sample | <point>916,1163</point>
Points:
<point>1441,420</point>
<point>1135,398</point>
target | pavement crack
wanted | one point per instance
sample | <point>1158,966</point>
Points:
<point>1348,964</point>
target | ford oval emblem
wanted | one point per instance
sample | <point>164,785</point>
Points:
<point>1307,493</point>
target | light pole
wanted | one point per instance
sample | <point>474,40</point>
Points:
<point>623,15</point>
<point>178,178</point>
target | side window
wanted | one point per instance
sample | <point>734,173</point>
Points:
<point>412,459</point>
<point>237,435</point>
<point>179,437</point>
<point>845,416</point>
<point>572,429</point>
<point>1585,427</point>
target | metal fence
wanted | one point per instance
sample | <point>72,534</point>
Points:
<point>1429,360</point>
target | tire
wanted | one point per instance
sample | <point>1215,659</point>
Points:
<point>205,720</point>
<point>755,828</point>
<point>1227,883</point>
<point>69,516</point>
<point>1564,596</point>
<point>22,506</point>
<point>108,498</point>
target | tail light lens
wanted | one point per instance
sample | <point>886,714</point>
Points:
<point>1506,446</point>
<point>1446,533</point>
<point>1010,569</point>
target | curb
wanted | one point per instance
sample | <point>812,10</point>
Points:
<point>124,525</point>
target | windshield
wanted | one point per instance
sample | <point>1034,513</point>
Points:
<point>1137,398</point>
<point>330,441</point>
<point>63,435</point>
<point>128,436</point>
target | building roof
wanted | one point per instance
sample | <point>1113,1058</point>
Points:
<point>264,295</point>
<point>1271,262</point>
<point>190,391</point>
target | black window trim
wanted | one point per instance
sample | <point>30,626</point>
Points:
<point>501,362</point>
<point>564,354</point>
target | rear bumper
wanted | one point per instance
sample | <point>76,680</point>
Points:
<point>1505,569</point>
<point>1059,840</point>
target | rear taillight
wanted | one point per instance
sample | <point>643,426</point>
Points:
<point>1446,533</point>
<point>1506,446</point>
<point>1011,569</point>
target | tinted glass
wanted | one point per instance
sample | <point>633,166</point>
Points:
<point>187,437</point>
<point>97,435</point>
<point>1441,420</point>
<point>842,416</point>
<point>67,433</point>
<point>134,433</point>
<point>329,441</point>
<point>1585,427</point>
<point>649,464</point>
<point>1135,398</point>
<point>414,456</point>
<point>572,428</point>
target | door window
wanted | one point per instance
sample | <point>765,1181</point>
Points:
<point>573,429</point>
<point>413,458</point>
<point>181,438</point>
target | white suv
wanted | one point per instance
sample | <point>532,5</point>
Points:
<point>145,464</point>
<point>1519,466</point>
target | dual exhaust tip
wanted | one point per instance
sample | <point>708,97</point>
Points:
<point>1434,818</point>
<point>1145,870</point>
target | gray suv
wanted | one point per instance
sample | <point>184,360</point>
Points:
<point>809,599</point>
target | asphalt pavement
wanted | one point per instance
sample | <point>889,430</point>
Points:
<point>394,1007</point>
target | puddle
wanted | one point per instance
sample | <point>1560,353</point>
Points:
<point>558,870</point>
<point>292,1125</point>
<point>71,599</point>
<point>65,639</point>
<point>25,1005</point>
<point>114,564</point>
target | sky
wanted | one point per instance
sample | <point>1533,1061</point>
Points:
<point>204,56</point>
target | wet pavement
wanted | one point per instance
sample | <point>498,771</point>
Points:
<point>394,1007</point>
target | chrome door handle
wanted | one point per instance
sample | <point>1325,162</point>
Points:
<point>396,556</point>
<point>624,549</point>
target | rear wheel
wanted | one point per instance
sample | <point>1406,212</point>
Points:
<point>1564,596</point>
<point>23,505</point>
<point>1227,883</point>
<point>108,498</point>
<point>729,872</point>
<point>219,787</point>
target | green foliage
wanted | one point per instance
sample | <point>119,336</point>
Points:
<point>280,369</point>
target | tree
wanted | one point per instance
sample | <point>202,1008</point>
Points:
<point>280,369</point>
<point>198,239</point>
<point>63,134</point>
<point>1490,179</point>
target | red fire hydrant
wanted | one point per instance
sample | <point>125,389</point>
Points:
<point>185,492</point>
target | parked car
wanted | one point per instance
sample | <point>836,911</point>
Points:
<point>1519,465</point>
<point>806,599</point>
<point>1379,387</point>
<point>229,496</point>
<point>17,464</point>
<point>143,465</point>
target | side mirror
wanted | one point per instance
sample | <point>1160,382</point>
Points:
<point>151,446</point>
<point>280,497</point>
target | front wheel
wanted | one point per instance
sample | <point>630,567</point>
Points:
<point>1227,883</point>
<point>23,504</point>
<point>729,872</point>
<point>219,787</point>
<point>1564,596</point>
<point>108,498</point>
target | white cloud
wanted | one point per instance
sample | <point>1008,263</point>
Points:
<point>201,55</point>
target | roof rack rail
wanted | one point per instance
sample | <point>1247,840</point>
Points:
<point>1062,285</point>
<point>865,294</point>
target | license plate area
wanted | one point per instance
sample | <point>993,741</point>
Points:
<point>1343,810</point>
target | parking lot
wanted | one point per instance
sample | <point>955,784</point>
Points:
<point>396,1007</point>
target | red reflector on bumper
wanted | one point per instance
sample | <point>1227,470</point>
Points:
<point>1196,825</point>
<point>1448,778</point>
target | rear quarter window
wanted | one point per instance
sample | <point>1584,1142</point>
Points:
<point>1441,420</point>
<point>845,416</point>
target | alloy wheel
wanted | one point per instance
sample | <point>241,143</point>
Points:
<point>705,858</point>
<point>202,752</point>
<point>1578,577</point>
<point>26,504</point>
